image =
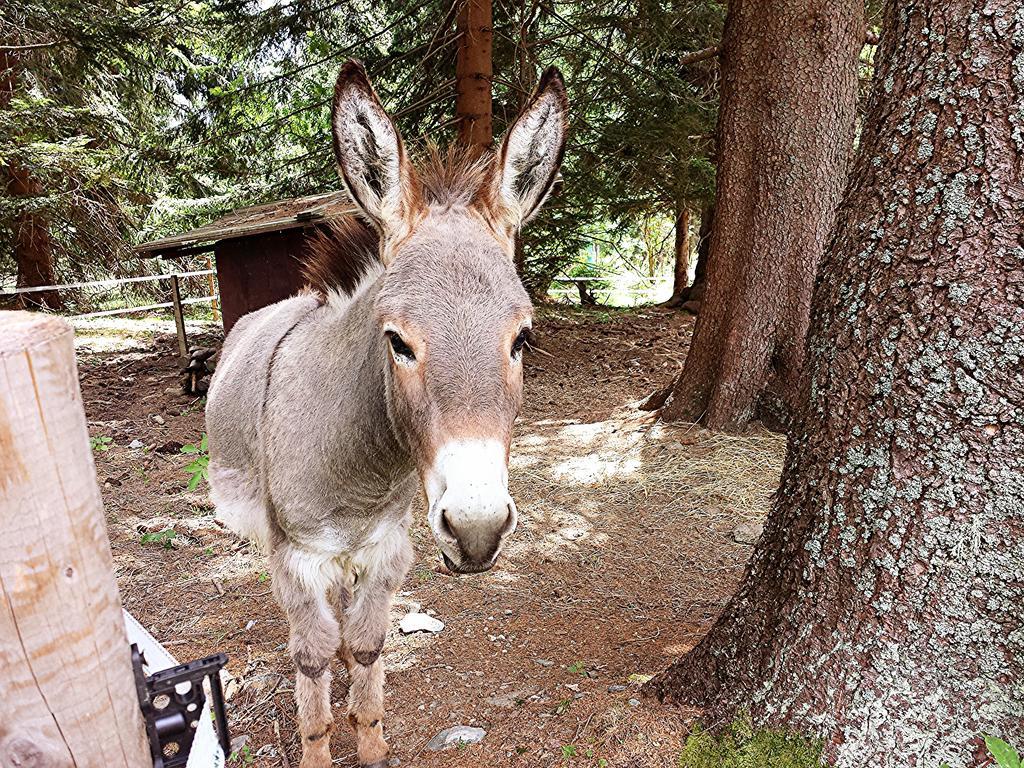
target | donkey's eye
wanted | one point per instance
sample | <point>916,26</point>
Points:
<point>402,350</point>
<point>524,338</point>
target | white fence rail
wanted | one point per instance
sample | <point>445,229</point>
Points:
<point>176,303</point>
<point>650,292</point>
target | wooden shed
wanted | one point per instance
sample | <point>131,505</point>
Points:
<point>256,249</point>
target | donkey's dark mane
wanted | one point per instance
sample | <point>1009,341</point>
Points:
<point>340,252</point>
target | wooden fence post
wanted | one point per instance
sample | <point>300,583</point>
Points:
<point>67,691</point>
<point>211,285</point>
<point>179,316</point>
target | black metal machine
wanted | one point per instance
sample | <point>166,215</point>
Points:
<point>172,715</point>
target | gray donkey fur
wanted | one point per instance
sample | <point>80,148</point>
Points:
<point>329,410</point>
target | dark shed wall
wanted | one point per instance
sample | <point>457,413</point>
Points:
<point>258,270</point>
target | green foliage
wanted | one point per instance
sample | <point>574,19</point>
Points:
<point>568,751</point>
<point>242,756</point>
<point>1004,755</point>
<point>143,119</point>
<point>100,443</point>
<point>199,468</point>
<point>164,538</point>
<point>742,746</point>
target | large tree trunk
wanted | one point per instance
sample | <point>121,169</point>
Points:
<point>785,136</point>
<point>882,607</point>
<point>33,246</point>
<point>473,74</point>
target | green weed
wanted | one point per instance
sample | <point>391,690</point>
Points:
<point>1004,755</point>
<point>100,443</point>
<point>199,467</point>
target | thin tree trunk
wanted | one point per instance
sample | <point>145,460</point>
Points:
<point>700,269</point>
<point>881,609</point>
<point>473,74</point>
<point>681,269</point>
<point>33,246</point>
<point>785,136</point>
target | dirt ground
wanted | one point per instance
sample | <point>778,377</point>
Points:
<point>624,555</point>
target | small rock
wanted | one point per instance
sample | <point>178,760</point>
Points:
<point>634,702</point>
<point>159,419</point>
<point>572,534</point>
<point>171,446</point>
<point>545,662</point>
<point>136,443</point>
<point>747,533</point>
<point>394,761</point>
<point>508,700</point>
<point>419,622</point>
<point>173,391</point>
<point>451,737</point>
<point>238,742</point>
<point>616,688</point>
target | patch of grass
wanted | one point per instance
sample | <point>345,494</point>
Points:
<point>742,746</point>
<point>100,443</point>
<point>577,668</point>
<point>568,751</point>
<point>164,537</point>
<point>199,467</point>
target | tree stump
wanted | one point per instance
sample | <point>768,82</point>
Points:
<point>67,691</point>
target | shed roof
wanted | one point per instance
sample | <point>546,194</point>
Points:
<point>254,220</point>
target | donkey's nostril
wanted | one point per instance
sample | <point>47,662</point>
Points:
<point>510,521</point>
<point>446,525</point>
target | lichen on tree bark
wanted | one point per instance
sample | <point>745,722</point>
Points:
<point>882,608</point>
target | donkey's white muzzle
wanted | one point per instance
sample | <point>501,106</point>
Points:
<point>471,511</point>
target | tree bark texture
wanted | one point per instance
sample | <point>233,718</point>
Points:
<point>33,245</point>
<point>881,610</point>
<point>473,74</point>
<point>785,136</point>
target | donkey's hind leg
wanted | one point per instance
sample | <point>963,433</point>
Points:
<point>314,637</point>
<point>365,625</point>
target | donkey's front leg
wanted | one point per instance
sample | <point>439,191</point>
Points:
<point>314,638</point>
<point>365,625</point>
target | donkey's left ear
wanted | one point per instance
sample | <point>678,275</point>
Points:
<point>531,153</point>
<point>371,156</point>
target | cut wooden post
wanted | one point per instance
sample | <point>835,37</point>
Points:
<point>179,317</point>
<point>67,691</point>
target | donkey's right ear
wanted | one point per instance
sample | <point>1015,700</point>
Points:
<point>369,150</point>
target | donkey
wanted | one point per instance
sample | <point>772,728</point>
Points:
<point>329,410</point>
